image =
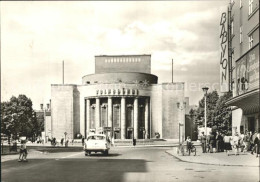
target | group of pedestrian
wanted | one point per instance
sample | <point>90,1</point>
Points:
<point>219,142</point>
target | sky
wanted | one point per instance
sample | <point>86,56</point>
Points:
<point>37,36</point>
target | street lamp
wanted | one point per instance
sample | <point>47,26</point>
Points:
<point>181,107</point>
<point>205,89</point>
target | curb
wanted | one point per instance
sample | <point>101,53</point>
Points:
<point>209,163</point>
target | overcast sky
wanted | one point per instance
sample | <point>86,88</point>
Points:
<point>37,36</point>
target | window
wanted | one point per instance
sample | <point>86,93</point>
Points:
<point>250,39</point>
<point>250,7</point>
<point>241,34</point>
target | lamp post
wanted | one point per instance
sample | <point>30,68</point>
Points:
<point>205,90</point>
<point>181,107</point>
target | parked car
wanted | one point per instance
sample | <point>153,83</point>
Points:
<point>96,143</point>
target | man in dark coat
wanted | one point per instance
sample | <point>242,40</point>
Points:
<point>203,142</point>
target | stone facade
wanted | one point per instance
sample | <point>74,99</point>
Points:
<point>131,108</point>
<point>244,58</point>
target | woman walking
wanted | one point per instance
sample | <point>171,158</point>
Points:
<point>227,144</point>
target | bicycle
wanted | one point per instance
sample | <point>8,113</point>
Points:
<point>191,149</point>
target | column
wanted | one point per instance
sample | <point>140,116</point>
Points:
<point>136,118</point>
<point>109,111</point>
<point>88,116</point>
<point>146,117</point>
<point>123,118</point>
<point>97,113</point>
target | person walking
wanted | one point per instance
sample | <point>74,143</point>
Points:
<point>227,144</point>
<point>203,142</point>
<point>255,144</point>
<point>61,141</point>
<point>218,142</point>
<point>188,144</point>
<point>23,152</point>
<point>82,140</point>
<point>251,141</point>
<point>212,142</point>
<point>246,142</point>
<point>236,143</point>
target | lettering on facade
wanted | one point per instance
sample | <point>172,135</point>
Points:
<point>224,74</point>
<point>122,91</point>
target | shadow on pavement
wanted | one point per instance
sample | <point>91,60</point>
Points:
<point>71,169</point>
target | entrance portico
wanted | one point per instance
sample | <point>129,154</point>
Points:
<point>120,117</point>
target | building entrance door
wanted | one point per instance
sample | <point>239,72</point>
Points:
<point>129,134</point>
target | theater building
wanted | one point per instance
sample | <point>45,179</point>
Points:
<point>243,43</point>
<point>122,99</point>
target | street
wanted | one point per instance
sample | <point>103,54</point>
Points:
<point>122,164</point>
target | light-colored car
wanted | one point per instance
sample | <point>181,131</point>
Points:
<point>96,143</point>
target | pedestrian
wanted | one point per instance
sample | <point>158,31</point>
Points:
<point>23,152</point>
<point>227,143</point>
<point>236,143</point>
<point>251,141</point>
<point>188,143</point>
<point>256,145</point>
<point>241,141</point>
<point>54,141</point>
<point>203,142</point>
<point>246,141</point>
<point>212,142</point>
<point>61,141</point>
<point>218,141</point>
<point>222,142</point>
<point>67,143</point>
<point>82,140</point>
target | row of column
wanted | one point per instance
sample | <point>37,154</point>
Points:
<point>122,114</point>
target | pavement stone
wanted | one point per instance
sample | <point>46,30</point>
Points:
<point>220,158</point>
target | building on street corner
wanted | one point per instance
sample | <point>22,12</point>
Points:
<point>122,99</point>
<point>240,28</point>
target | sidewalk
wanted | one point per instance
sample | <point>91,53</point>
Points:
<point>221,158</point>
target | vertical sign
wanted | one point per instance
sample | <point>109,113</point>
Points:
<point>224,72</point>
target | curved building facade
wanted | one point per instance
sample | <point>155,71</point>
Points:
<point>125,104</point>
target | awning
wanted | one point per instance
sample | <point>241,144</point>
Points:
<point>248,102</point>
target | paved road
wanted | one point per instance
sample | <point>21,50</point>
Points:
<point>123,164</point>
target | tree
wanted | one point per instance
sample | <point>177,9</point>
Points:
<point>219,116</point>
<point>212,99</point>
<point>222,114</point>
<point>18,117</point>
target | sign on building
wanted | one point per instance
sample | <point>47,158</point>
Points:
<point>224,66</point>
<point>247,71</point>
